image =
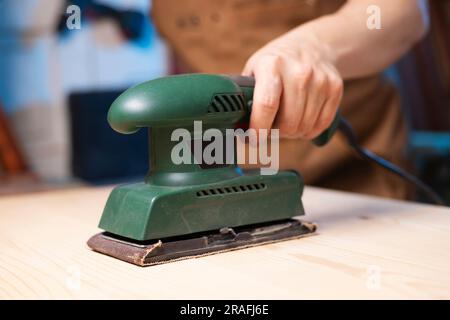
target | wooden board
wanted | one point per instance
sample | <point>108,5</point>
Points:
<point>366,248</point>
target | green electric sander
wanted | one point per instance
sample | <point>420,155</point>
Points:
<point>190,209</point>
<point>194,208</point>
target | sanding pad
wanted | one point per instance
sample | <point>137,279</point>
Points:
<point>147,253</point>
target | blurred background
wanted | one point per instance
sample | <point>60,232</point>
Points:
<point>56,85</point>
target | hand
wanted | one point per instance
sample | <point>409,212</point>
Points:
<point>298,89</point>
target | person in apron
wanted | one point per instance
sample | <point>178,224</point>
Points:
<point>309,58</point>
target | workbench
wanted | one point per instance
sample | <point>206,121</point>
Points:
<point>365,247</point>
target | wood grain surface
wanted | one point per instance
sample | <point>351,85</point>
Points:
<point>366,247</point>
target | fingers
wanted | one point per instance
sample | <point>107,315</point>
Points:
<point>317,96</point>
<point>293,101</point>
<point>248,68</point>
<point>267,94</point>
<point>335,89</point>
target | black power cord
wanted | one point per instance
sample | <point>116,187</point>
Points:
<point>346,129</point>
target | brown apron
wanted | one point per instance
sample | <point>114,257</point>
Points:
<point>218,36</point>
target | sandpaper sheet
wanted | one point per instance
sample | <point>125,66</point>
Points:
<point>198,245</point>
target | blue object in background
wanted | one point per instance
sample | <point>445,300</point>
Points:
<point>24,55</point>
<point>99,154</point>
<point>24,72</point>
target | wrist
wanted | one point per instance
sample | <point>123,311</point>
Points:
<point>317,36</point>
<point>309,40</point>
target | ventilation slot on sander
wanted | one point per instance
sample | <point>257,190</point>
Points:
<point>227,103</point>
<point>232,189</point>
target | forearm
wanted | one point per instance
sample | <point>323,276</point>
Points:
<point>355,49</point>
